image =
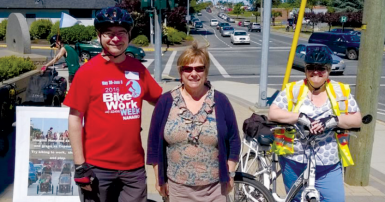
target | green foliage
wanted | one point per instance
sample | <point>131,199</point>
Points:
<point>174,38</point>
<point>141,40</point>
<point>189,38</point>
<point>3,29</point>
<point>182,35</point>
<point>237,9</point>
<point>40,29</point>
<point>12,66</point>
<point>348,5</point>
<point>73,34</point>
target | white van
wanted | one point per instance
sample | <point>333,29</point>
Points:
<point>213,22</point>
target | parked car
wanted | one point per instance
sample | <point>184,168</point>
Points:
<point>223,16</point>
<point>240,23</point>
<point>213,22</point>
<point>230,20</point>
<point>357,33</point>
<point>245,23</point>
<point>240,36</point>
<point>194,20</point>
<point>220,14</point>
<point>227,31</point>
<point>89,49</point>
<point>222,24</point>
<point>338,65</point>
<point>338,42</point>
<point>39,168</point>
<point>32,174</point>
<point>339,30</point>
<point>254,26</point>
<point>199,14</point>
<point>198,24</point>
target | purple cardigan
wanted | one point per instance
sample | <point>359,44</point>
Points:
<point>229,143</point>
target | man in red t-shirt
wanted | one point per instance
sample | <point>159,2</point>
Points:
<point>107,93</point>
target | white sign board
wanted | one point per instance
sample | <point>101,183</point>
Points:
<point>44,166</point>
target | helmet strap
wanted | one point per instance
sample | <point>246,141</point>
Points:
<point>316,89</point>
<point>107,53</point>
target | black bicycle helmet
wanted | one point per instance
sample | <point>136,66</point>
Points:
<point>318,57</point>
<point>53,40</point>
<point>113,16</point>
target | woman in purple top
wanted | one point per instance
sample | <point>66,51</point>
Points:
<point>194,143</point>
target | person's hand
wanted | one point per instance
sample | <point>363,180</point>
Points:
<point>163,190</point>
<point>230,185</point>
<point>323,124</point>
<point>305,120</point>
<point>84,176</point>
<point>43,69</point>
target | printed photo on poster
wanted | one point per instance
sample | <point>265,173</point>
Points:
<point>44,159</point>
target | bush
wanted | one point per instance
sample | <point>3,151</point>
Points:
<point>174,38</point>
<point>12,66</point>
<point>40,29</point>
<point>182,35</point>
<point>73,34</point>
<point>189,38</point>
<point>3,29</point>
<point>141,40</point>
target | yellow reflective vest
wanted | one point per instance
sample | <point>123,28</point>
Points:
<point>296,92</point>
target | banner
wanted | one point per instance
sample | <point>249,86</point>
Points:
<point>67,20</point>
<point>44,167</point>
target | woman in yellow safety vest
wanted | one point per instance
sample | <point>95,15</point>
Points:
<point>320,104</point>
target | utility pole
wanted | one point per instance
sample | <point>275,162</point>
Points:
<point>151,25</point>
<point>261,12</point>
<point>158,45</point>
<point>369,73</point>
<point>188,17</point>
<point>265,55</point>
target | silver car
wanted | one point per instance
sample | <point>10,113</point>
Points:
<point>230,20</point>
<point>338,65</point>
<point>227,31</point>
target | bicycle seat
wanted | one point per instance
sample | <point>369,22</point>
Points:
<point>265,140</point>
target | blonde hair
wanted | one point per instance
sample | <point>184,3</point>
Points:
<point>193,54</point>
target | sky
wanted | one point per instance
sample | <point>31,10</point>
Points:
<point>59,125</point>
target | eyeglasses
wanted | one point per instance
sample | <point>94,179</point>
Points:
<point>189,69</point>
<point>112,34</point>
<point>315,68</point>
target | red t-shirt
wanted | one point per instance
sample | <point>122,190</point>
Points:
<point>110,96</point>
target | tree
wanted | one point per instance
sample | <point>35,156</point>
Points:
<point>330,18</point>
<point>176,18</point>
<point>237,10</point>
<point>256,14</point>
<point>275,14</point>
<point>348,5</point>
<point>288,7</point>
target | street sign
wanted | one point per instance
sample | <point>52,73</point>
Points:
<point>188,17</point>
<point>344,19</point>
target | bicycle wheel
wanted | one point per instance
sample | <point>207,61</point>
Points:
<point>246,189</point>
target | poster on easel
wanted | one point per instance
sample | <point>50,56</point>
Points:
<point>44,168</point>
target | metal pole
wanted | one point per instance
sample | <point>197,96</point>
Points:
<point>261,12</point>
<point>151,25</point>
<point>188,17</point>
<point>158,45</point>
<point>294,44</point>
<point>368,79</point>
<point>265,55</point>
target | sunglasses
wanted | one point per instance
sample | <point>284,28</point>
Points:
<point>316,68</point>
<point>189,69</point>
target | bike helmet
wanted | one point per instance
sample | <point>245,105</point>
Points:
<point>113,16</point>
<point>318,57</point>
<point>53,40</point>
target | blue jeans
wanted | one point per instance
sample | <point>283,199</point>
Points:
<point>329,179</point>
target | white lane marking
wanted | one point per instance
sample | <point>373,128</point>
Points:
<point>167,69</point>
<point>382,110</point>
<point>380,113</point>
<point>147,62</point>
<point>218,37</point>
<point>381,104</point>
<point>219,66</point>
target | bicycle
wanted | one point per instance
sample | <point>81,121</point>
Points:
<point>260,165</point>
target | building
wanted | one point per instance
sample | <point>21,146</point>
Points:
<point>83,10</point>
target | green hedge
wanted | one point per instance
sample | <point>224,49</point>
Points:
<point>40,29</point>
<point>182,35</point>
<point>12,66</point>
<point>3,29</point>
<point>189,38</point>
<point>73,34</point>
<point>140,40</point>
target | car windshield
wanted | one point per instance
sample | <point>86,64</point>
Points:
<point>325,48</point>
<point>228,28</point>
<point>225,24</point>
<point>240,33</point>
<point>214,20</point>
<point>352,38</point>
<point>198,23</point>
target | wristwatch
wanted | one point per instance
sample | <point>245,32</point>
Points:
<point>232,174</point>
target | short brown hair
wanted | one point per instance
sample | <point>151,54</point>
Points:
<point>192,54</point>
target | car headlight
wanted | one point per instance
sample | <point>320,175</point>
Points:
<point>342,62</point>
<point>141,51</point>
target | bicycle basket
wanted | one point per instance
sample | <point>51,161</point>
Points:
<point>254,127</point>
